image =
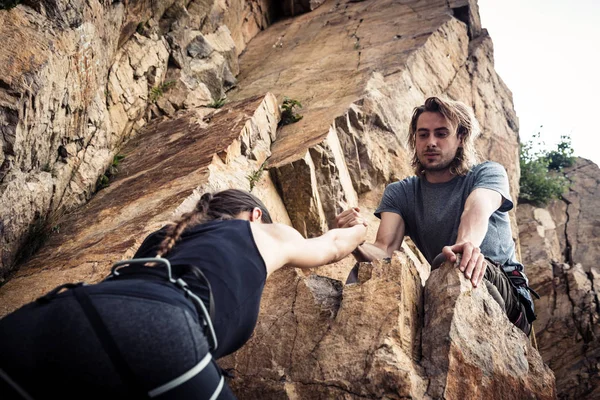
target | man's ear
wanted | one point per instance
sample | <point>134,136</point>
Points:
<point>461,137</point>
<point>256,214</point>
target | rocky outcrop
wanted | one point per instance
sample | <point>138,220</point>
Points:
<point>560,245</point>
<point>359,74</point>
<point>358,68</point>
<point>165,171</point>
<point>81,78</point>
<point>385,337</point>
<point>351,140</point>
<point>471,350</point>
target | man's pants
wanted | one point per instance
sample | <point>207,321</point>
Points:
<point>504,293</point>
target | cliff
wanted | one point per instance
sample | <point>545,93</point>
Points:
<point>560,245</point>
<point>389,336</point>
<point>89,81</point>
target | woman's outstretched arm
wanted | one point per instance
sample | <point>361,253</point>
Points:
<point>282,245</point>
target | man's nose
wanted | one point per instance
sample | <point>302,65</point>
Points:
<point>431,141</point>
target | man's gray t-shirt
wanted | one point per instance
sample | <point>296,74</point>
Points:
<point>432,211</point>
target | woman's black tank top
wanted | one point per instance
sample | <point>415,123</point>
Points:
<point>226,253</point>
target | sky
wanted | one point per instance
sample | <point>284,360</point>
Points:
<point>548,54</point>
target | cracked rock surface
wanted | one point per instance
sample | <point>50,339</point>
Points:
<point>81,78</point>
<point>147,80</point>
<point>560,245</point>
<point>391,338</point>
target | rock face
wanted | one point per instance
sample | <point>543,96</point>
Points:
<point>165,171</point>
<point>472,351</point>
<point>358,76</point>
<point>385,337</point>
<point>154,80</point>
<point>560,245</point>
<point>82,77</point>
<point>359,73</point>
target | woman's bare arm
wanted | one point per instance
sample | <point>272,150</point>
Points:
<point>282,245</point>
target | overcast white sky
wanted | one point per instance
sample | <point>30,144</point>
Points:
<point>548,54</point>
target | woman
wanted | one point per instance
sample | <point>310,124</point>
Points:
<point>145,332</point>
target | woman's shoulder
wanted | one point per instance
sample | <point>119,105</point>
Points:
<point>277,231</point>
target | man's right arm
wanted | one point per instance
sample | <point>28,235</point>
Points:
<point>389,235</point>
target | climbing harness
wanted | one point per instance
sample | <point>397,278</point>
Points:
<point>180,283</point>
<point>203,378</point>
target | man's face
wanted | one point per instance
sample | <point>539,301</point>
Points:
<point>436,141</point>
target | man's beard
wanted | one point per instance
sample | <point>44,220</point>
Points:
<point>438,167</point>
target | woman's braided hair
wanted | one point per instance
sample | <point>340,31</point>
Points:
<point>224,205</point>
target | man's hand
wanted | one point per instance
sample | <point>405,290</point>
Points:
<point>472,262</point>
<point>349,218</point>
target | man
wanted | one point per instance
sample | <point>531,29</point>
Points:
<point>452,206</point>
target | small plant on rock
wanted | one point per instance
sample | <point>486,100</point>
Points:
<point>288,113</point>
<point>255,175</point>
<point>217,103</point>
<point>158,91</point>
<point>112,170</point>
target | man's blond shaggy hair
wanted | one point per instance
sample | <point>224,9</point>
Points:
<point>459,115</point>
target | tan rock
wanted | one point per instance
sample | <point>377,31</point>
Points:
<point>358,68</point>
<point>166,168</point>
<point>560,249</point>
<point>80,75</point>
<point>319,341</point>
<point>320,174</point>
<point>470,348</point>
<point>134,80</point>
<point>322,340</point>
<point>54,74</point>
<point>361,74</point>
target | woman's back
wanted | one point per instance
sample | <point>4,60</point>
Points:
<point>227,255</point>
<point>140,332</point>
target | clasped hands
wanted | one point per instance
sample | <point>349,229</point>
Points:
<point>472,262</point>
<point>349,218</point>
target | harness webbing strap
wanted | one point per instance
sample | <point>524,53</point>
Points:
<point>218,389</point>
<point>12,385</point>
<point>182,378</point>
<point>211,300</point>
<point>109,344</point>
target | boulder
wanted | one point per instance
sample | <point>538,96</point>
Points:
<point>386,336</point>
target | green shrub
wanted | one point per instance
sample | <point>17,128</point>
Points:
<point>288,115</point>
<point>562,156</point>
<point>541,171</point>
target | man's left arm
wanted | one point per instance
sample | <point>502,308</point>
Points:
<point>479,207</point>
